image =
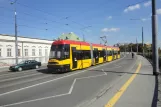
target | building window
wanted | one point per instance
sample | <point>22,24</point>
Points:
<point>26,52</point>
<point>46,52</point>
<point>46,55</point>
<point>33,52</point>
<point>9,52</point>
<point>40,52</point>
<point>0,52</point>
<point>19,52</point>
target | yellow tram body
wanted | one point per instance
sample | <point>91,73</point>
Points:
<point>68,55</point>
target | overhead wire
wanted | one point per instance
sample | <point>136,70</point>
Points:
<point>49,13</point>
<point>43,19</point>
<point>67,18</point>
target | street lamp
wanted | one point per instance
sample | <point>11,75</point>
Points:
<point>16,42</point>
<point>142,35</point>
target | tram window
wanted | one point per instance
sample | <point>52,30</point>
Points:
<point>79,55</point>
<point>60,51</point>
<point>58,54</point>
<point>118,52</point>
<point>86,54</point>
<point>110,53</point>
<point>115,52</point>
<point>95,53</point>
<point>101,53</point>
<point>66,51</point>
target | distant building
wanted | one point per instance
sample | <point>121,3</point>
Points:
<point>69,36</point>
<point>28,48</point>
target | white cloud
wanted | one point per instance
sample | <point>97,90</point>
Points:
<point>109,17</point>
<point>132,8</point>
<point>110,29</point>
<point>147,4</point>
<point>159,11</point>
<point>145,19</point>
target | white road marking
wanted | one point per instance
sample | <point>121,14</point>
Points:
<point>21,82</point>
<point>104,90</point>
<point>58,78</point>
<point>69,92</point>
<point>34,100</point>
<point>105,72</point>
<point>20,77</point>
<point>71,89</point>
<point>72,86</point>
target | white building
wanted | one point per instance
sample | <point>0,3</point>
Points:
<point>28,48</point>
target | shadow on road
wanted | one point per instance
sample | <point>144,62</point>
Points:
<point>45,71</point>
<point>122,72</point>
<point>155,95</point>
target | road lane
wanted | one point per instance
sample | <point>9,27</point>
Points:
<point>83,90</point>
<point>22,73</point>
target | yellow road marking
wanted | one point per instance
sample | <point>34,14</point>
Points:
<point>116,97</point>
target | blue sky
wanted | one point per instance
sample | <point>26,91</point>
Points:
<point>106,17</point>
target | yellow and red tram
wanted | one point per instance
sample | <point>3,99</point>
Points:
<point>69,55</point>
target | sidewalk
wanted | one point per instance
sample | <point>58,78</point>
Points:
<point>159,92</point>
<point>141,92</point>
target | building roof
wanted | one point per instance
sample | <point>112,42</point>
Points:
<point>24,37</point>
<point>69,36</point>
<point>11,38</point>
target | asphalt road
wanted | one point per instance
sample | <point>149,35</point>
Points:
<point>36,88</point>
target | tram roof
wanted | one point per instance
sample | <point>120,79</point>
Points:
<point>80,42</point>
<point>70,42</point>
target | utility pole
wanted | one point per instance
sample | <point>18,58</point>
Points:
<point>154,40</point>
<point>136,46</point>
<point>16,42</point>
<point>142,36</point>
<point>83,38</point>
<point>131,48</point>
<point>143,40</point>
<point>84,29</point>
<point>125,48</point>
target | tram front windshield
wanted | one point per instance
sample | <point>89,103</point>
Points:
<point>59,51</point>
